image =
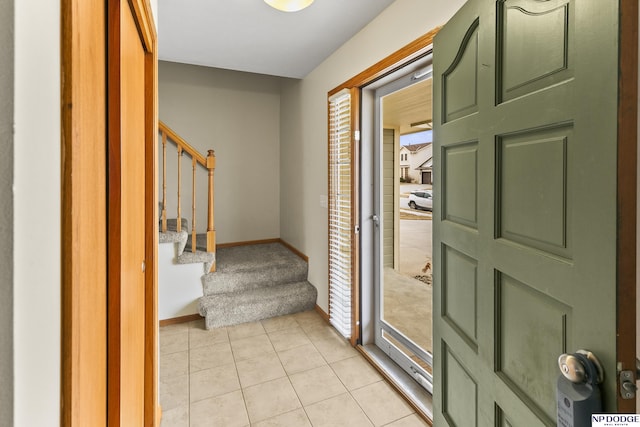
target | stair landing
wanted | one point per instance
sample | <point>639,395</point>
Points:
<point>255,282</point>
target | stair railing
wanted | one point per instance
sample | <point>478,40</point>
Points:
<point>209,163</point>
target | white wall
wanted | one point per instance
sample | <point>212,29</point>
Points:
<point>303,159</point>
<point>238,115</point>
<point>179,285</point>
<point>37,213</point>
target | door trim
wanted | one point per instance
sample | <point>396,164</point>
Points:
<point>400,58</point>
<point>627,192</point>
<point>83,392</point>
<point>152,410</point>
<point>146,29</point>
<point>84,221</point>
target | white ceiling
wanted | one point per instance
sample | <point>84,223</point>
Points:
<point>249,35</point>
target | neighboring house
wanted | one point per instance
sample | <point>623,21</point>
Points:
<point>416,162</point>
<point>426,171</point>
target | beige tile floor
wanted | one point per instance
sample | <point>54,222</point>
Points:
<point>287,371</point>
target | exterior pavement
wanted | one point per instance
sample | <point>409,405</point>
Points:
<point>415,246</point>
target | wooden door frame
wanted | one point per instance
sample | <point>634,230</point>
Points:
<point>142,16</point>
<point>402,57</point>
<point>84,186</point>
<point>83,138</point>
<point>627,193</point>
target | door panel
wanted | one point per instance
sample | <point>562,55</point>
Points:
<point>551,26</point>
<point>524,256</point>
<point>127,137</point>
<point>132,158</point>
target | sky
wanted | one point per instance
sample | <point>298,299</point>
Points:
<point>417,138</point>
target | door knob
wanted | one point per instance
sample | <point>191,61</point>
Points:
<point>580,367</point>
<point>577,390</point>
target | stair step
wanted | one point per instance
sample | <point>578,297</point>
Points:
<point>178,237</point>
<point>251,267</point>
<point>173,237</point>
<point>232,308</point>
<point>207,258</point>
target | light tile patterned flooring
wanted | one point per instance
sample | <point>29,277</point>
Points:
<point>287,371</point>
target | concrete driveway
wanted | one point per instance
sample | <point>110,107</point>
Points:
<point>407,302</point>
<point>415,244</point>
<point>415,234</point>
<point>405,189</point>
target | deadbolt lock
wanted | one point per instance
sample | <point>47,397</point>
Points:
<point>628,387</point>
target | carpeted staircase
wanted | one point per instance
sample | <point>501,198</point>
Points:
<point>251,282</point>
<point>185,256</point>
<point>255,282</point>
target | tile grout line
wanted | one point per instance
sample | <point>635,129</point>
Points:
<point>244,399</point>
<point>288,376</point>
<point>306,331</point>
<point>345,386</point>
<point>235,364</point>
<point>189,373</point>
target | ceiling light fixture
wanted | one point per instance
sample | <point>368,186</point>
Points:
<point>425,124</point>
<point>289,5</point>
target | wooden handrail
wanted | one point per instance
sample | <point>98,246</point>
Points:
<point>209,163</point>
<point>177,139</point>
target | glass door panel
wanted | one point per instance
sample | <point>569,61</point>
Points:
<point>404,162</point>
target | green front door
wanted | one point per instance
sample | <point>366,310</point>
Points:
<point>525,245</point>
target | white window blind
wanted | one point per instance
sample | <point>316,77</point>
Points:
<point>340,212</point>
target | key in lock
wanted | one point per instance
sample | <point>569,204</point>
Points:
<point>574,370</point>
